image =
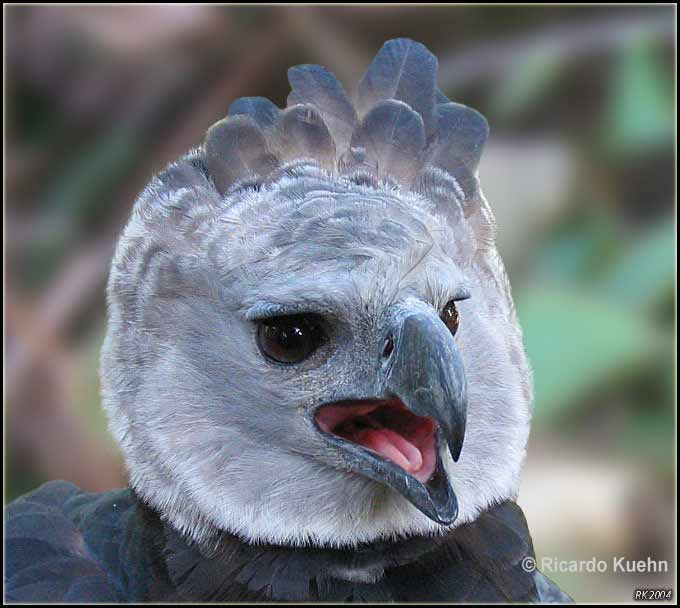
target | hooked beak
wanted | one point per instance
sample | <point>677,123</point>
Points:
<point>398,438</point>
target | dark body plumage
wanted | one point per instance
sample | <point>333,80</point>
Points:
<point>66,545</point>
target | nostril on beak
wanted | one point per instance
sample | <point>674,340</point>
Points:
<point>388,347</point>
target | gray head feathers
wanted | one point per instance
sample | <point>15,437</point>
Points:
<point>401,129</point>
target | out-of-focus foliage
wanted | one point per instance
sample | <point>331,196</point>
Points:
<point>577,344</point>
<point>579,170</point>
<point>641,101</point>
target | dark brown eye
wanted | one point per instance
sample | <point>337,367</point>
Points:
<point>290,339</point>
<point>450,317</point>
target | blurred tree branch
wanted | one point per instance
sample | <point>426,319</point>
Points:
<point>573,41</point>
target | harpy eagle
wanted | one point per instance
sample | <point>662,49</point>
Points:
<point>313,368</point>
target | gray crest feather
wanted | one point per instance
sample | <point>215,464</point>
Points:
<point>461,133</point>
<point>390,139</point>
<point>440,96</point>
<point>405,70</point>
<point>236,149</point>
<point>303,134</point>
<point>314,84</point>
<point>260,109</point>
<point>191,171</point>
<point>409,133</point>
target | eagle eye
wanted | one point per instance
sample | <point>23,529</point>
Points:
<point>290,338</point>
<point>450,316</point>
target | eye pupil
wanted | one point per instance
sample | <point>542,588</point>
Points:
<point>450,317</point>
<point>289,339</point>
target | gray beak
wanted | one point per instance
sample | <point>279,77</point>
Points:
<point>424,373</point>
<point>427,375</point>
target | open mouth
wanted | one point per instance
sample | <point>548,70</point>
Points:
<point>406,435</point>
<point>386,428</point>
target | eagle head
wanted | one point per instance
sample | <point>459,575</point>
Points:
<point>311,337</point>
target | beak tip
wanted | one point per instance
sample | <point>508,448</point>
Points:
<point>453,438</point>
<point>447,515</point>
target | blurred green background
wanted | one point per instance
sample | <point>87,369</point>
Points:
<point>580,171</point>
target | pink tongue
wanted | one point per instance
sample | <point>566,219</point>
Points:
<point>393,447</point>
